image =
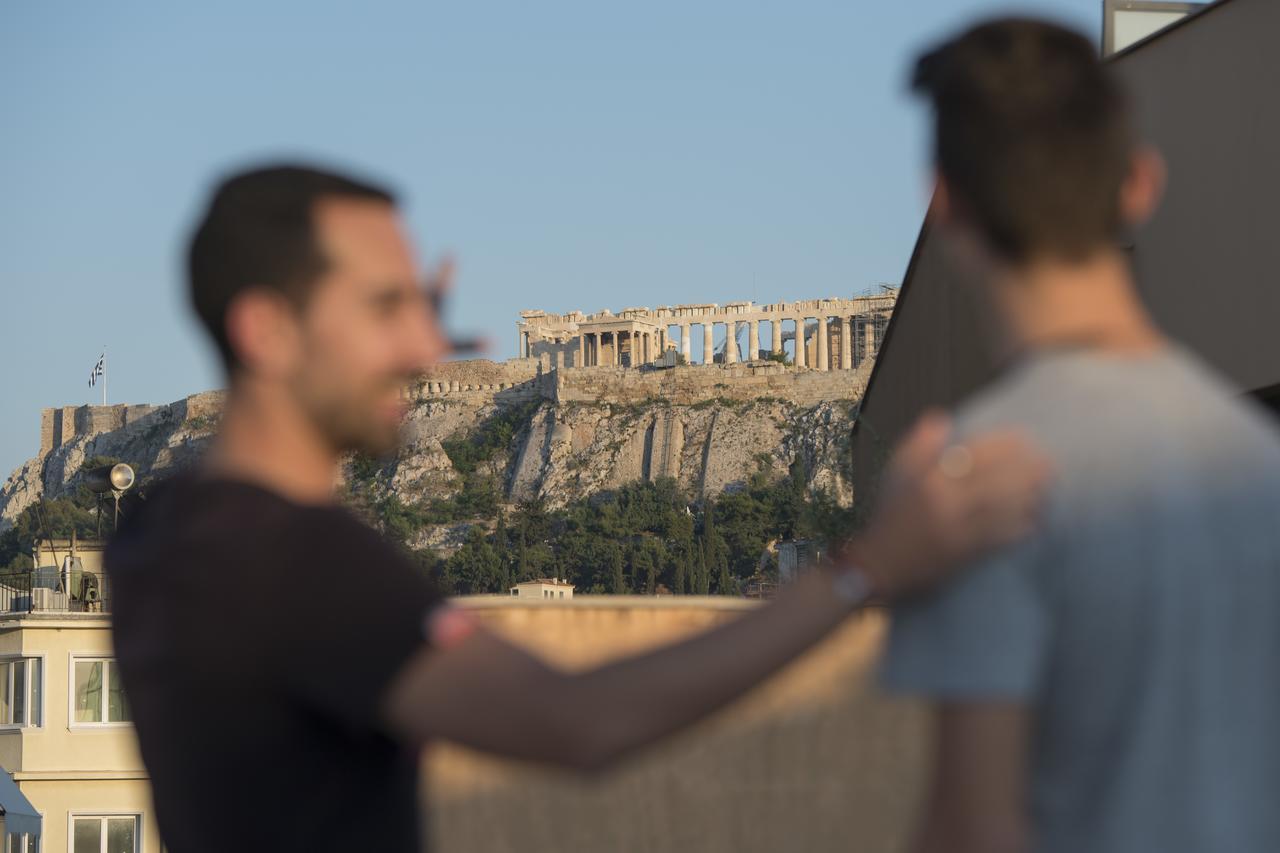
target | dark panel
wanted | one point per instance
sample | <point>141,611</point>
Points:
<point>1208,263</point>
<point>938,348</point>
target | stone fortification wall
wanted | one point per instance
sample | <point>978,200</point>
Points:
<point>523,379</point>
<point>480,380</point>
<point>689,385</point>
<point>62,424</point>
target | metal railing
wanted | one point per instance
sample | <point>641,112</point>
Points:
<point>49,589</point>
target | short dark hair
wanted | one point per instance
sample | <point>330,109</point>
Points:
<point>257,232</point>
<point>1032,136</point>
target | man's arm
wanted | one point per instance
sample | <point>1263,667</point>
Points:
<point>488,694</point>
<point>978,798</point>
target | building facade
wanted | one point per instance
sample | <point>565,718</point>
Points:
<point>543,589</point>
<point>66,732</point>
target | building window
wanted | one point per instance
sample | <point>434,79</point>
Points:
<point>16,842</point>
<point>20,693</point>
<point>105,833</point>
<point>97,695</point>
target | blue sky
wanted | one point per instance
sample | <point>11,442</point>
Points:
<point>569,154</point>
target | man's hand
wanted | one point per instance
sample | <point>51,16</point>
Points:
<point>942,504</point>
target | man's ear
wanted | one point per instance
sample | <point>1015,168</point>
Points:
<point>263,330</point>
<point>1143,187</point>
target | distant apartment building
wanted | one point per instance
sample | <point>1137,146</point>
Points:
<point>543,589</point>
<point>66,736</point>
<point>797,556</point>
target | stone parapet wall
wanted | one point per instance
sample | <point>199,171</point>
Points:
<point>514,380</point>
<point>480,380</point>
<point>692,384</point>
<point>520,380</point>
<point>59,425</point>
<point>815,760</point>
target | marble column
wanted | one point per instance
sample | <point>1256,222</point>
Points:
<point>684,342</point>
<point>846,344</point>
<point>822,344</point>
<point>753,340</point>
<point>708,351</point>
<point>775,325</point>
<point>582,351</point>
<point>871,337</point>
<point>519,343</point>
<point>613,351</point>
<point>731,342</point>
<point>800,345</point>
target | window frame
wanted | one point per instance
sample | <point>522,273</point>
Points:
<point>26,842</point>
<point>72,722</point>
<point>44,691</point>
<point>104,816</point>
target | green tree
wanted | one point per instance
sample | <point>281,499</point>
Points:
<point>474,567</point>
<point>522,556</point>
<point>643,571</point>
<point>43,519</point>
<point>618,581</point>
<point>701,578</point>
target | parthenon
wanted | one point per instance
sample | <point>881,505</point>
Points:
<point>819,334</point>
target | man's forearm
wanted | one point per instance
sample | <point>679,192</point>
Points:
<point>630,703</point>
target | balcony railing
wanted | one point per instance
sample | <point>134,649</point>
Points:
<point>49,589</point>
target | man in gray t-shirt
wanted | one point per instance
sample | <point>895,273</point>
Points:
<point>1109,685</point>
<point>1141,627</point>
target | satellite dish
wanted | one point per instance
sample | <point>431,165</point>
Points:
<point>110,478</point>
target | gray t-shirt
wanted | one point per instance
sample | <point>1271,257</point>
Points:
<point>1141,625</point>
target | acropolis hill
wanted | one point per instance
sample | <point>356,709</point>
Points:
<point>601,400</point>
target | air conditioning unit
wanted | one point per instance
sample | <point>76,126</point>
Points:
<point>47,599</point>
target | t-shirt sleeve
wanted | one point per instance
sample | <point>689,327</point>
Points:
<point>982,636</point>
<point>356,612</point>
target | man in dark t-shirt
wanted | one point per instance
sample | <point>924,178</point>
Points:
<point>255,634</point>
<point>285,665</point>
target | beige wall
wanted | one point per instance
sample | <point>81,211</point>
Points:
<point>815,760</point>
<point>90,554</point>
<point>56,799</point>
<point>62,768</point>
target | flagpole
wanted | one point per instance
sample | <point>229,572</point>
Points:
<point>104,376</point>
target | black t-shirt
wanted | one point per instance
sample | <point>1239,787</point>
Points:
<point>256,638</point>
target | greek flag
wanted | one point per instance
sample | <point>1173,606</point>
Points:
<point>97,370</point>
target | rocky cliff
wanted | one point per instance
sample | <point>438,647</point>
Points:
<point>573,434</point>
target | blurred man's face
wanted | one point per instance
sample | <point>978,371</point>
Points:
<point>367,330</point>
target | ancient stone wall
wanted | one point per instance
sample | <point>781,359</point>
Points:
<point>689,385</point>
<point>512,381</point>
<point>59,426</point>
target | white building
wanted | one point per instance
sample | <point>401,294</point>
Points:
<point>543,589</point>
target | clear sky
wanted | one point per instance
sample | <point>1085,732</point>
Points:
<point>570,155</point>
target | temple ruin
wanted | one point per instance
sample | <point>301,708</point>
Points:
<point>819,334</point>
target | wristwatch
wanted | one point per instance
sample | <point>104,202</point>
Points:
<point>851,585</point>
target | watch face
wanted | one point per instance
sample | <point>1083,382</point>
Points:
<point>851,585</point>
